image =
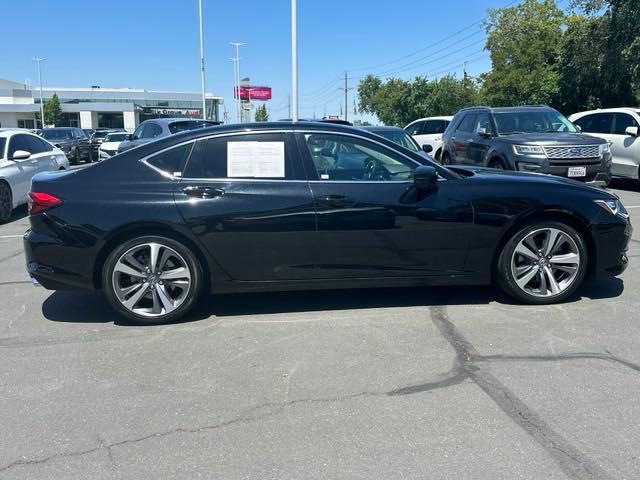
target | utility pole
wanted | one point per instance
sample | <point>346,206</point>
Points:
<point>38,60</point>
<point>204,102</point>
<point>346,96</point>
<point>294,58</point>
<point>235,86</point>
<point>237,64</point>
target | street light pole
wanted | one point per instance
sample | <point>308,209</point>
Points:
<point>204,102</point>
<point>235,85</point>
<point>38,60</point>
<point>294,59</point>
<point>238,45</point>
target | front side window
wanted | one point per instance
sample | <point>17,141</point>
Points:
<point>172,161</point>
<point>622,122</point>
<point>482,121</point>
<point>415,128</point>
<point>151,130</point>
<point>253,156</point>
<point>16,143</point>
<point>532,121</point>
<point>467,123</point>
<point>136,134</point>
<point>433,127</point>
<point>339,157</point>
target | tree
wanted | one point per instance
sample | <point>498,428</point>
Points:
<point>261,113</point>
<point>52,112</point>
<point>398,102</point>
<point>523,42</point>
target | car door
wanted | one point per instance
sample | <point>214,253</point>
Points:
<point>246,198</point>
<point>432,134</point>
<point>415,130</point>
<point>479,143</point>
<point>41,153</point>
<point>625,149</point>
<point>462,138</point>
<point>83,142</point>
<point>371,221</point>
<point>20,171</point>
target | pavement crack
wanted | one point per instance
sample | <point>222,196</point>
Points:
<point>13,255</point>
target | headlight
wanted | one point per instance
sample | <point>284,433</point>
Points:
<point>529,150</point>
<point>614,207</point>
<point>605,148</point>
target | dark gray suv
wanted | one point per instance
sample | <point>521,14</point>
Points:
<point>535,139</point>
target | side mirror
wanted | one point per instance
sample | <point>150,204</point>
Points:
<point>483,132</point>
<point>427,148</point>
<point>425,178</point>
<point>631,131</point>
<point>20,155</point>
<point>578,128</point>
<point>129,136</point>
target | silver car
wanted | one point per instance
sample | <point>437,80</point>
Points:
<point>22,155</point>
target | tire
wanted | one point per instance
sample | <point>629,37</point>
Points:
<point>438,154</point>
<point>6,202</point>
<point>524,275</point>
<point>152,297</point>
<point>76,158</point>
<point>497,164</point>
<point>446,158</point>
<point>90,155</point>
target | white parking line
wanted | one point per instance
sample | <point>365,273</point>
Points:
<point>632,206</point>
<point>11,236</point>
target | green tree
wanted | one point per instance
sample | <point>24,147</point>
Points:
<point>52,112</point>
<point>524,44</point>
<point>261,113</point>
<point>398,102</point>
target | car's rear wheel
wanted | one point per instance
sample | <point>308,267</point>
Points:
<point>497,164</point>
<point>446,158</point>
<point>543,263</point>
<point>152,279</point>
<point>6,202</point>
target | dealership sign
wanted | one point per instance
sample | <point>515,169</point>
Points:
<point>253,93</point>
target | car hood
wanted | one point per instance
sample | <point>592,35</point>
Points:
<point>66,141</point>
<point>551,139</point>
<point>502,176</point>
<point>110,145</point>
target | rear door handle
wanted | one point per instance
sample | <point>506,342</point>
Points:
<point>335,200</point>
<point>203,192</point>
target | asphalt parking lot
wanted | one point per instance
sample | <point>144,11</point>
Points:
<point>367,384</point>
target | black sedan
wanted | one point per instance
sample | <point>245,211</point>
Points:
<point>286,206</point>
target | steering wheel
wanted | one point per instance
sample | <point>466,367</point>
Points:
<point>373,170</point>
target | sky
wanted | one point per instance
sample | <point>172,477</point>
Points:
<point>154,44</point>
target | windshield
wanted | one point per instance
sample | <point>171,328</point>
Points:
<point>177,127</point>
<point>402,138</point>
<point>531,121</point>
<point>56,134</point>
<point>115,137</point>
<point>100,134</point>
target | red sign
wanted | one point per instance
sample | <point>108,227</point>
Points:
<point>253,93</point>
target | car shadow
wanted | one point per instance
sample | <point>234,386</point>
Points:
<point>75,307</point>
<point>19,213</point>
<point>628,184</point>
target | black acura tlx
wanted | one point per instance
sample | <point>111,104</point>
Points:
<point>295,206</point>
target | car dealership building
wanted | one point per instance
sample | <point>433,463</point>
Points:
<point>97,107</point>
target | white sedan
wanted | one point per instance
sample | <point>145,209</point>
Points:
<point>110,144</point>
<point>22,155</point>
<point>428,131</point>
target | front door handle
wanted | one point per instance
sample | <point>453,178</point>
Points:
<point>203,192</point>
<point>337,201</point>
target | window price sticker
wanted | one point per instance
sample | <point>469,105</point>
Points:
<point>255,159</point>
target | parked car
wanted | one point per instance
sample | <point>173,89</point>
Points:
<point>98,137</point>
<point>620,127</point>
<point>151,130</point>
<point>72,141</point>
<point>530,138</point>
<point>110,144</point>
<point>22,155</point>
<point>428,131</point>
<point>402,138</point>
<point>289,206</point>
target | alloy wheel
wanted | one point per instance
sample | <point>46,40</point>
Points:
<point>151,279</point>
<point>545,262</point>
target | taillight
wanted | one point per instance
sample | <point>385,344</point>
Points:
<point>39,202</point>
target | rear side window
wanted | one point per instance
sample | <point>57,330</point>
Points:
<point>172,161</point>
<point>467,123</point>
<point>596,123</point>
<point>432,127</point>
<point>260,155</point>
<point>623,120</point>
<point>45,145</point>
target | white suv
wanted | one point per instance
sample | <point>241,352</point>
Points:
<point>620,127</point>
<point>428,131</point>
<point>22,155</point>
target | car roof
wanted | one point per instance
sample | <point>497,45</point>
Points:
<point>635,110</point>
<point>441,117</point>
<point>522,108</point>
<point>8,131</point>
<point>60,128</point>
<point>166,121</point>
<point>382,128</point>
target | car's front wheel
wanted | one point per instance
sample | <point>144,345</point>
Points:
<point>152,279</point>
<point>6,202</point>
<point>543,263</point>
